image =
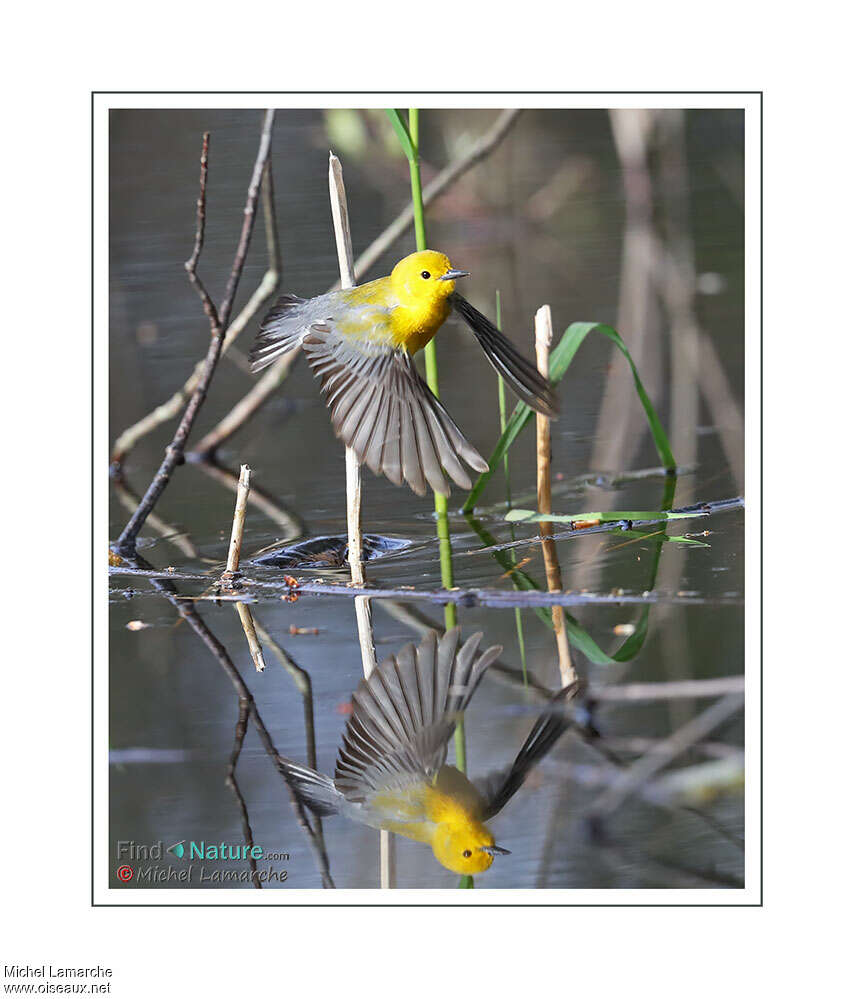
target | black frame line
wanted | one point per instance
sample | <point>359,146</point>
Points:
<point>405,905</point>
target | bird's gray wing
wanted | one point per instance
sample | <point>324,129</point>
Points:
<point>283,329</point>
<point>381,407</point>
<point>405,712</point>
<point>499,787</point>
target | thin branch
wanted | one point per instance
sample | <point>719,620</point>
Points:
<point>280,369</point>
<point>668,690</point>
<point>130,501</point>
<point>634,777</point>
<point>253,589</point>
<point>438,186</point>
<point>231,782</point>
<point>126,543</point>
<point>303,683</point>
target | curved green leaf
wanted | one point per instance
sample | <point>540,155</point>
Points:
<point>559,361</point>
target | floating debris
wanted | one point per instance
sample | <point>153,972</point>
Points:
<point>136,625</point>
<point>329,552</point>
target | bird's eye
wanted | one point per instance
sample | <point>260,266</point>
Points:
<point>467,853</point>
<point>425,275</point>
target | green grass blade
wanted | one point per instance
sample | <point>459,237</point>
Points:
<point>399,123</point>
<point>606,516</point>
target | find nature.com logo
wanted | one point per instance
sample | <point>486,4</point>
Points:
<point>149,869</point>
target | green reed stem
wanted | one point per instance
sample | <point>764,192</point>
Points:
<point>440,502</point>
<point>503,422</point>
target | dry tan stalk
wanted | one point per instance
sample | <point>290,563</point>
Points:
<point>353,476</point>
<point>233,565</point>
<point>542,343</point>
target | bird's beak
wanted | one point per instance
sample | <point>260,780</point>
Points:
<point>453,275</point>
<point>496,851</point>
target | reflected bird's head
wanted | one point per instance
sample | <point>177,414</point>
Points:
<point>466,847</point>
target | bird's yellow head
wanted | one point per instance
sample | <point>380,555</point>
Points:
<point>465,848</point>
<point>424,278</point>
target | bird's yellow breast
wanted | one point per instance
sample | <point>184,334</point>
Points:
<point>415,326</point>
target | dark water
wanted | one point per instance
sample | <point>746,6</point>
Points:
<point>543,219</point>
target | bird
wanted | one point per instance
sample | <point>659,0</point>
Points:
<point>391,771</point>
<point>360,342</point>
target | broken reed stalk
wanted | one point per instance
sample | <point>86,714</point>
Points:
<point>279,370</point>
<point>353,480</point>
<point>542,343</point>
<point>219,320</point>
<point>232,569</point>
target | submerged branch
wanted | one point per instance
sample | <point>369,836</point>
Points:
<point>479,597</point>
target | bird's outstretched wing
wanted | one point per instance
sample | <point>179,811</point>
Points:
<point>404,714</point>
<point>522,376</point>
<point>282,330</point>
<point>381,407</point>
<point>499,787</point>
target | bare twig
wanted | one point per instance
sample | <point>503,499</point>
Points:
<point>279,370</point>
<point>303,683</point>
<point>130,501</point>
<point>231,782</point>
<point>543,341</point>
<point>668,749</point>
<point>439,185</point>
<point>668,690</point>
<point>219,319</point>
<point>129,438</point>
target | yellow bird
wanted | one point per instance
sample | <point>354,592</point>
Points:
<point>391,771</point>
<point>360,342</point>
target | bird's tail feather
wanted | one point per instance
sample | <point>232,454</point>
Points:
<point>316,791</point>
<point>281,331</point>
<point>522,376</point>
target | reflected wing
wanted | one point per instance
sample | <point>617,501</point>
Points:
<point>404,714</point>
<point>381,407</point>
<point>522,376</point>
<point>499,787</point>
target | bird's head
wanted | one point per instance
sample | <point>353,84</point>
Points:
<point>425,277</point>
<point>465,848</point>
